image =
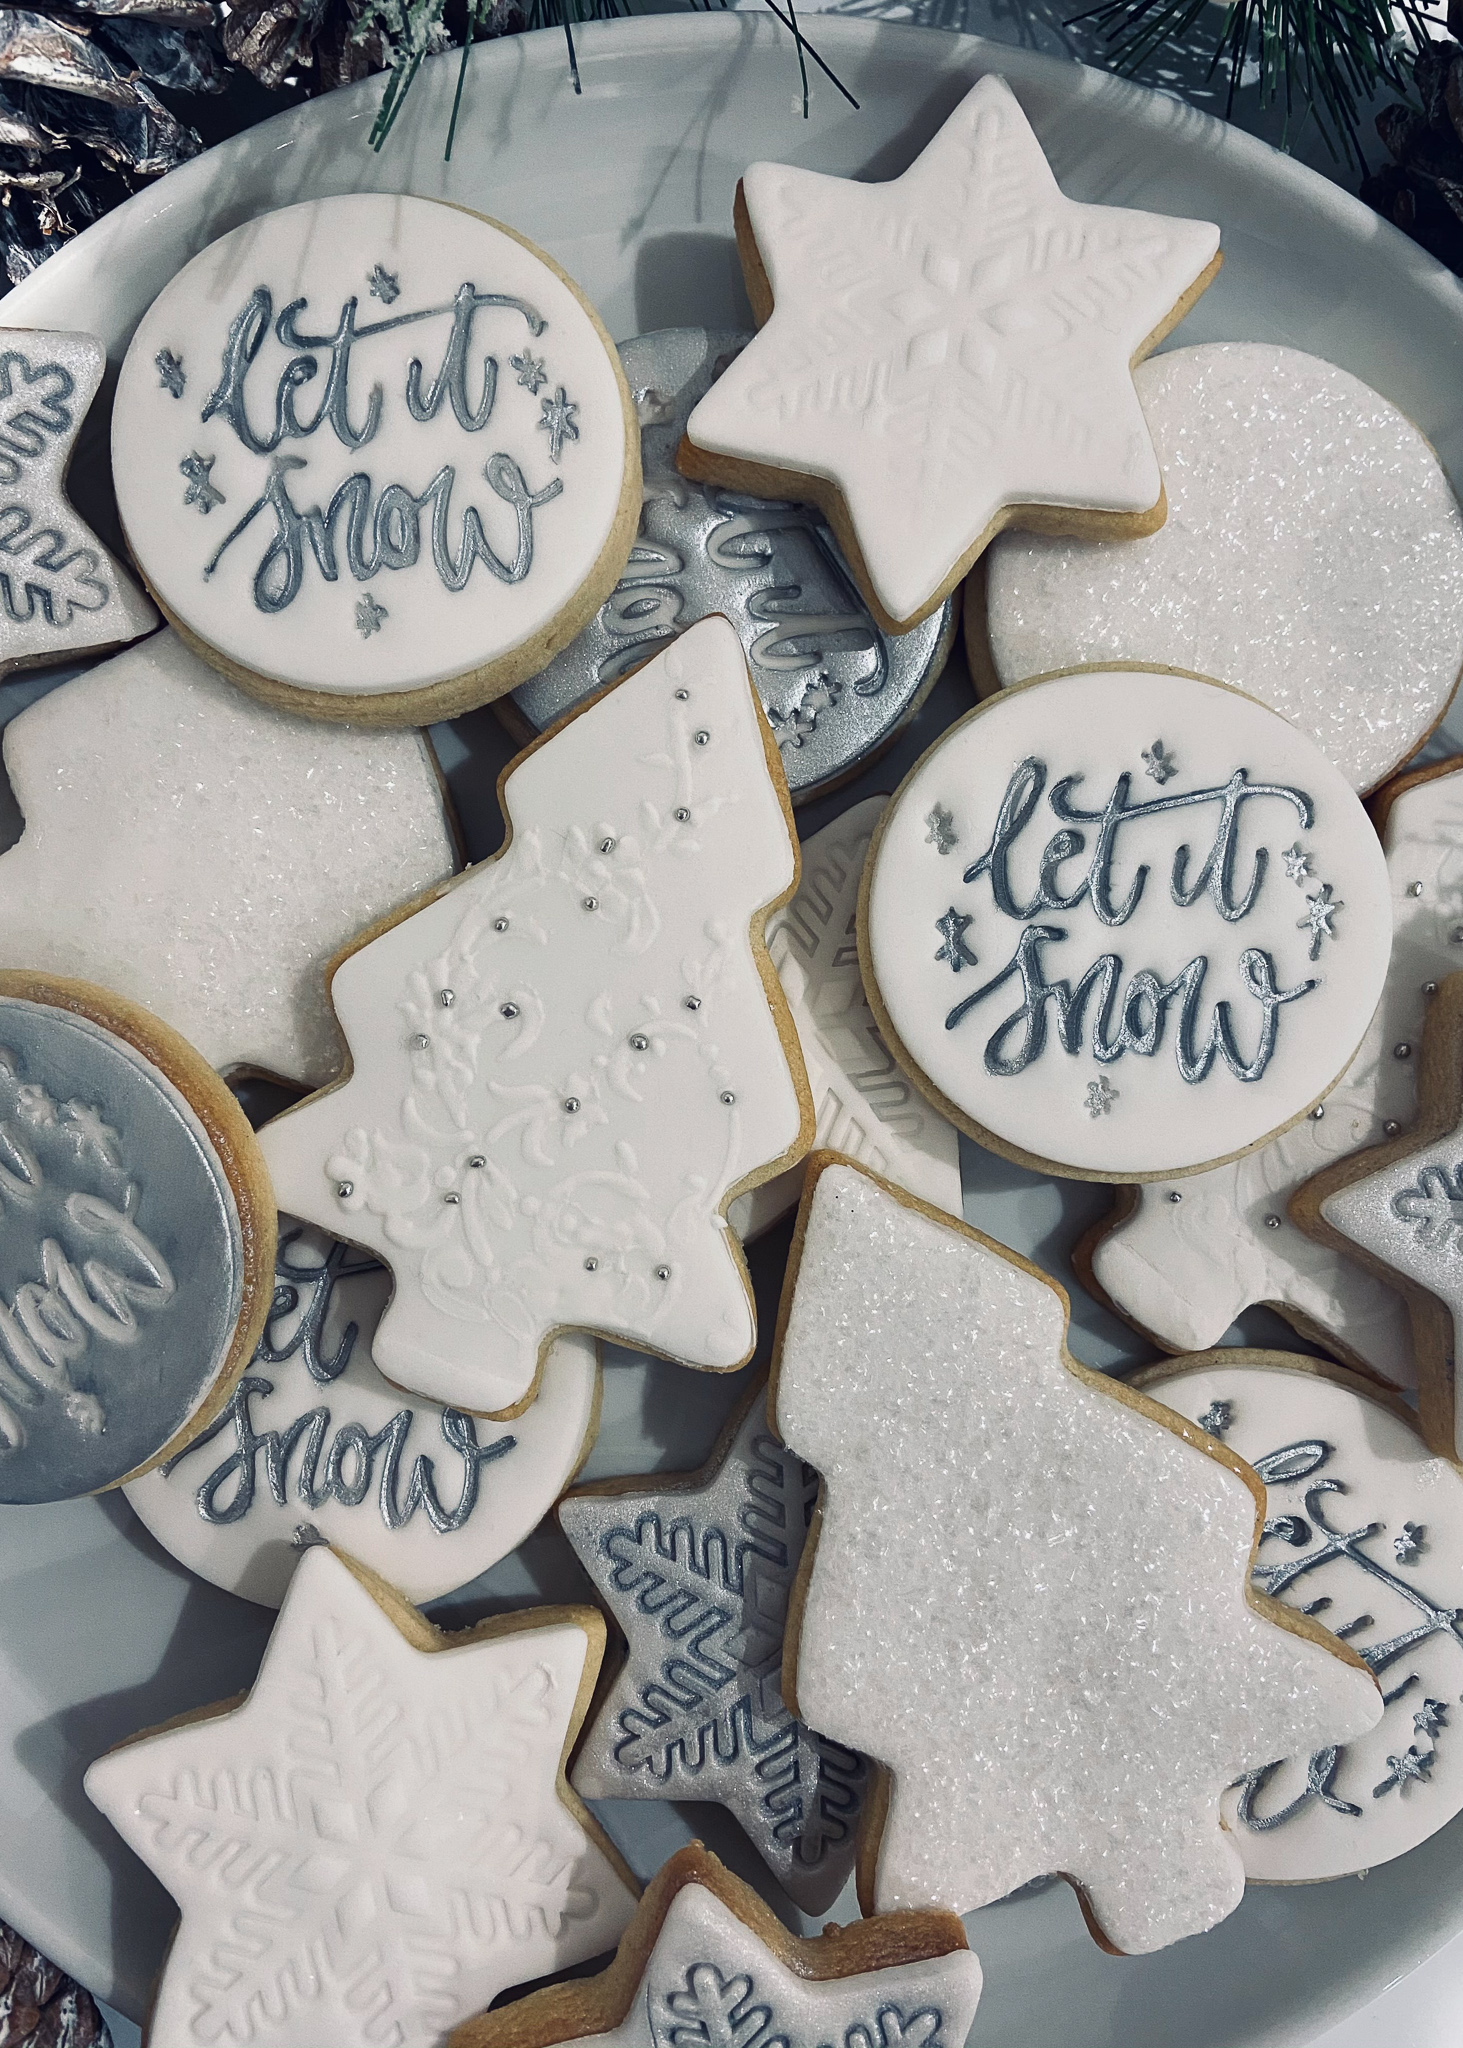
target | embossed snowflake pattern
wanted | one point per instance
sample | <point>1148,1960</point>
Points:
<point>202,491</point>
<point>559,420</point>
<point>1320,909</point>
<point>385,284</point>
<point>1433,1205</point>
<point>941,833</point>
<point>531,373</point>
<point>1297,863</point>
<point>170,372</point>
<point>1159,763</point>
<point>952,928</point>
<point>370,616</point>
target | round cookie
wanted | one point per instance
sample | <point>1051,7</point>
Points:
<point>1124,925</point>
<point>1312,556</point>
<point>1364,1531</point>
<point>836,688</point>
<point>375,457</point>
<point>137,1243</point>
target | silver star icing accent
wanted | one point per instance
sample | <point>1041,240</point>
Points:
<point>1297,863</point>
<point>170,372</point>
<point>1320,909</point>
<point>1101,1095</point>
<point>558,420</point>
<point>792,727</point>
<point>201,491</point>
<point>1430,1717</point>
<point>941,835</point>
<point>1159,763</point>
<point>385,284</point>
<point>1217,1417</point>
<point>952,928</point>
<point>1409,1544</point>
<point>531,373</point>
<point>1413,1766</point>
<point>698,1577</point>
<point>370,616</point>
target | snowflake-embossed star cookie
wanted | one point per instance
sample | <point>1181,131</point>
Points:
<point>704,1964</point>
<point>379,1840</point>
<point>1029,1598</point>
<point>566,1064</point>
<point>698,1571</point>
<point>947,353</point>
<point>61,593</point>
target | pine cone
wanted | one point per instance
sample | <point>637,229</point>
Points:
<point>1421,190</point>
<point>41,2008</point>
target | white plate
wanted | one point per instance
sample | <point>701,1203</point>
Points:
<point>630,187</point>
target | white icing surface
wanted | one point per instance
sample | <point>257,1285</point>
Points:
<point>866,1107</point>
<point>1185,1269</point>
<point>1389,1480</point>
<point>335,1478</point>
<point>703,1950</point>
<point>62,593</point>
<point>372,1846</point>
<point>573,1215</point>
<point>1133,1116</point>
<point>321,259</point>
<point>1027,1598</point>
<point>951,342</point>
<point>1312,556</point>
<point>206,856</point>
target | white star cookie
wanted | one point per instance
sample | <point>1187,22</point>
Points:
<point>947,354</point>
<point>61,593</point>
<point>567,1063</point>
<point>379,1840</point>
<point>207,856</point>
<point>1182,1259</point>
<point>1028,1597</point>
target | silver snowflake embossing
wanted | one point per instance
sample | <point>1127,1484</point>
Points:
<point>1159,763</point>
<point>1297,863</point>
<point>1409,1545</point>
<point>170,372</point>
<point>801,722</point>
<point>201,491</point>
<point>1320,909</point>
<point>370,616</point>
<point>531,373</point>
<point>1434,1206</point>
<point>1217,1417</point>
<point>1430,1717</point>
<point>385,285</point>
<point>952,928</point>
<point>1101,1095</point>
<point>558,420</point>
<point>941,835</point>
<point>1413,1766</point>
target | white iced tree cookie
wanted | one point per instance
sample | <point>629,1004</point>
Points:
<point>864,1105</point>
<point>1312,557</point>
<point>1029,1597</point>
<point>62,594</point>
<point>1182,1260</point>
<point>567,1063</point>
<point>379,1839</point>
<point>208,856</point>
<point>947,353</point>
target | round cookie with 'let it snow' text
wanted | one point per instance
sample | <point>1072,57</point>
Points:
<point>1122,925</point>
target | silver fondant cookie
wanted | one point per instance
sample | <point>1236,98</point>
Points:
<point>835,688</point>
<point>121,1256</point>
<point>698,1578</point>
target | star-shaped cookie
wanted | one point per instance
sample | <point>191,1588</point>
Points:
<point>947,354</point>
<point>379,1840</point>
<point>704,1962</point>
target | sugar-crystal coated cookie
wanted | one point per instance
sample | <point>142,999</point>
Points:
<point>1312,557</point>
<point>567,1063</point>
<point>1121,925</point>
<point>375,457</point>
<point>137,1240</point>
<point>1363,1528</point>
<point>1051,1650</point>
<point>207,855</point>
<point>314,1444</point>
<point>947,353</point>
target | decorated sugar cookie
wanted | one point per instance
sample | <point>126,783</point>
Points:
<point>704,1962</point>
<point>1182,1260</point>
<point>1312,557</point>
<point>865,1106</point>
<point>567,1063</point>
<point>697,1572</point>
<point>835,688</point>
<point>375,457</point>
<point>947,354</point>
<point>1364,1529</point>
<point>61,593</point>
<point>1054,1656</point>
<point>378,1840</point>
<point>208,856</point>
<point>1122,925</point>
<point>315,1444</point>
<point>137,1240</point>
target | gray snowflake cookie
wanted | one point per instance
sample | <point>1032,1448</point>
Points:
<point>698,1572</point>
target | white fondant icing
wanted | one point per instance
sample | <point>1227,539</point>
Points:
<point>207,856</point>
<point>951,342</point>
<point>1028,1597</point>
<point>865,1105</point>
<point>1312,556</point>
<point>373,1845</point>
<point>426,1497</point>
<point>1390,1483</point>
<point>1184,1270</point>
<point>1170,1094</point>
<point>428,430</point>
<point>564,1065</point>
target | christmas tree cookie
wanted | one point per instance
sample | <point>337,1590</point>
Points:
<point>566,1064</point>
<point>946,354</point>
<point>1029,1597</point>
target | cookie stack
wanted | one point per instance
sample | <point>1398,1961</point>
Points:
<point>946,1612</point>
